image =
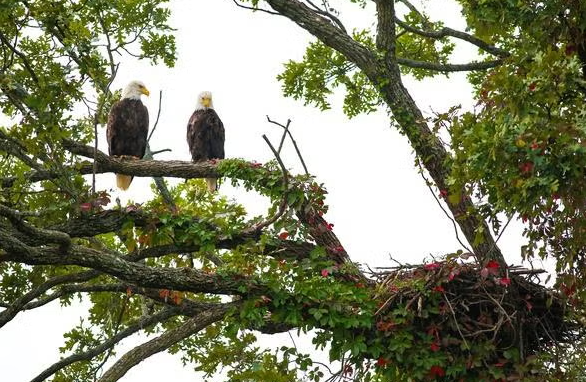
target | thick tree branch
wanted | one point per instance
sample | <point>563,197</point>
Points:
<point>164,341</point>
<point>471,66</point>
<point>181,279</point>
<point>386,77</point>
<point>45,235</point>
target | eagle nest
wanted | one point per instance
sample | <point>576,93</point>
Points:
<point>461,304</point>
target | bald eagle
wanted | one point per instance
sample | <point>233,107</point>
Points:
<point>128,126</point>
<point>205,134</point>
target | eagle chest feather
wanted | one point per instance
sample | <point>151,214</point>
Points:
<point>205,135</point>
<point>128,127</point>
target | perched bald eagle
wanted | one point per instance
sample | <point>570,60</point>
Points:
<point>205,134</point>
<point>128,127</point>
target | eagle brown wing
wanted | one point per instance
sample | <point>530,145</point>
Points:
<point>126,132</point>
<point>128,127</point>
<point>205,135</point>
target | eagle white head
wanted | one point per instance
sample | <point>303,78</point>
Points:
<point>204,101</point>
<point>134,90</point>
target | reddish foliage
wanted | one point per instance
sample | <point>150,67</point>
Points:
<point>435,346</point>
<point>284,235</point>
<point>439,288</point>
<point>431,266</point>
<point>437,371</point>
<point>164,294</point>
<point>532,86</point>
<point>384,326</point>
<point>505,281</point>
<point>85,207</point>
<point>325,272</point>
<point>382,362</point>
<point>526,167</point>
<point>255,164</point>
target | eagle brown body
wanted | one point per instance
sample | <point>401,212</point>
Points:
<point>205,137</point>
<point>127,130</point>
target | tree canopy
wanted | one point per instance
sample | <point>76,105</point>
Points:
<point>202,277</point>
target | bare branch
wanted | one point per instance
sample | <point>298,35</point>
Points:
<point>21,303</point>
<point>292,141</point>
<point>254,9</point>
<point>132,328</point>
<point>164,341</point>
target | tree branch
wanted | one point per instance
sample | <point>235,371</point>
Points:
<point>181,279</point>
<point>471,66</point>
<point>21,303</point>
<point>445,32</point>
<point>386,76</point>
<point>164,341</point>
<point>132,328</point>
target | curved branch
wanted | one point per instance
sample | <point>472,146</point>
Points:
<point>132,328</point>
<point>449,32</point>
<point>164,341</point>
<point>21,303</point>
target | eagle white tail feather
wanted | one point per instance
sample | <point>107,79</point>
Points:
<point>123,181</point>
<point>212,184</point>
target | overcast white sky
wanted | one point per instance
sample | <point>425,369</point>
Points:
<point>379,204</point>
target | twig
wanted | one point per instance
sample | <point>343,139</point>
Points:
<point>427,183</point>
<point>456,321</point>
<point>158,115</point>
<point>256,9</point>
<point>116,331</point>
<point>327,14</point>
<point>132,328</point>
<point>286,130</point>
<point>283,205</point>
<point>293,141</point>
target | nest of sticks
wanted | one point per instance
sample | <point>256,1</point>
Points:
<point>475,303</point>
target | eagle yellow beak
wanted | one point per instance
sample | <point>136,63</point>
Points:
<point>206,102</point>
<point>145,91</point>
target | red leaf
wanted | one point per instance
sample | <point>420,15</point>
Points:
<point>504,281</point>
<point>526,167</point>
<point>443,194</point>
<point>85,207</point>
<point>176,297</point>
<point>325,272</point>
<point>532,86</point>
<point>439,288</point>
<point>437,371</point>
<point>164,294</point>
<point>431,266</point>
<point>434,346</point>
<point>484,273</point>
<point>284,235</point>
<point>381,362</point>
<point>492,264</point>
<point>255,164</point>
<point>129,291</point>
